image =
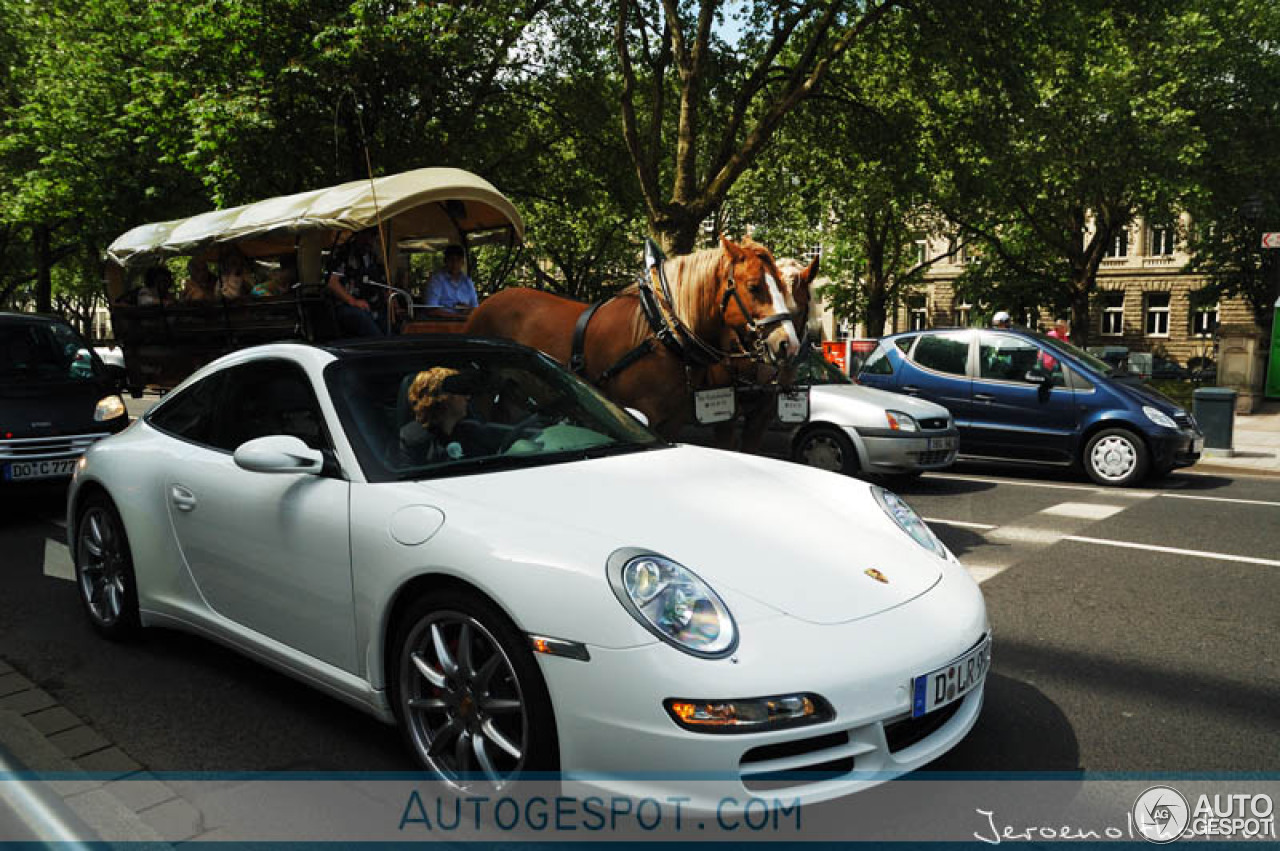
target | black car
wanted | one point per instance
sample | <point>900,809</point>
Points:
<point>56,398</point>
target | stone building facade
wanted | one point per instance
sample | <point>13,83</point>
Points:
<point>1145,301</point>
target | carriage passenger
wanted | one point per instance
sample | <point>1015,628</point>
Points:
<point>358,280</point>
<point>450,291</point>
<point>157,286</point>
<point>234,278</point>
<point>200,284</point>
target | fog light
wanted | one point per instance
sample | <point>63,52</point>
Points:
<point>749,715</point>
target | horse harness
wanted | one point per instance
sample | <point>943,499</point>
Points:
<point>671,332</point>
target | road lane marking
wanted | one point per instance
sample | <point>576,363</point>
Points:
<point>981,573</point>
<point>57,561</point>
<point>962,523</point>
<point>1269,562</point>
<point>1084,510</point>
<point>1027,535</point>
<point>1135,494</point>
<point>1270,502</point>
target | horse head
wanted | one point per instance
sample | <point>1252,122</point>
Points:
<point>753,301</point>
<point>797,289</point>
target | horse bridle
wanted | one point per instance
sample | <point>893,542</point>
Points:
<point>759,328</point>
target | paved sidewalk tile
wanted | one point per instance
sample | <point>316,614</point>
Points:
<point>12,683</point>
<point>26,702</point>
<point>109,761</point>
<point>174,820</point>
<point>55,720</point>
<point>78,741</point>
<point>140,791</point>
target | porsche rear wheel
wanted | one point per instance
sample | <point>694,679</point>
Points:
<point>468,693</point>
<point>104,569</point>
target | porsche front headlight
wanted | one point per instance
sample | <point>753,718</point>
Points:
<point>674,604</point>
<point>109,408</point>
<point>909,522</point>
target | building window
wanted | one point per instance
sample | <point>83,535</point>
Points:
<point>1204,315</point>
<point>1113,314</point>
<point>1119,246</point>
<point>1157,324</point>
<point>964,311</point>
<point>1162,241</point>
<point>922,252</point>
<point>917,313</point>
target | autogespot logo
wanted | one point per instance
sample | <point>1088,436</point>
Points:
<point>1161,814</point>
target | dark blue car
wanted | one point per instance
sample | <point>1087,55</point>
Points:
<point>1019,396</point>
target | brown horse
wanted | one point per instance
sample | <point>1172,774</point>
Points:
<point>660,383</point>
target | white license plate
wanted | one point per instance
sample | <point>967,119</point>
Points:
<point>793,407</point>
<point>22,470</point>
<point>1197,444</point>
<point>952,681</point>
<point>714,406</point>
<point>942,443</point>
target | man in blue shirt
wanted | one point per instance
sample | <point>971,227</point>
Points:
<point>450,290</point>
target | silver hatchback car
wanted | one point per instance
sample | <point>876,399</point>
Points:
<point>858,430</point>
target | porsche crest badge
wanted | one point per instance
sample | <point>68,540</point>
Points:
<point>876,575</point>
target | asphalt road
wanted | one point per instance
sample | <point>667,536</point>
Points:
<point>1160,655</point>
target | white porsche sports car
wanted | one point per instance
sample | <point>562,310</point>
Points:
<point>460,537</point>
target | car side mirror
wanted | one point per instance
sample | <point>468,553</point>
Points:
<point>644,421</point>
<point>278,453</point>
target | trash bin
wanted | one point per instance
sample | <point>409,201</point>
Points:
<point>1215,411</point>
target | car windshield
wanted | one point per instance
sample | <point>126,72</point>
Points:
<point>427,414</point>
<point>44,352</point>
<point>1091,361</point>
<point>813,368</point>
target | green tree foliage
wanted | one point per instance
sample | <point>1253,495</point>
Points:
<point>1053,126</point>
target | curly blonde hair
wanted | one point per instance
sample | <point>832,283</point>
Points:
<point>425,395</point>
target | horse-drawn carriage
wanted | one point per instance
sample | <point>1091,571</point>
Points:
<point>416,212</point>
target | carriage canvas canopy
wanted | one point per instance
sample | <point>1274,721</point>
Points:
<point>423,204</point>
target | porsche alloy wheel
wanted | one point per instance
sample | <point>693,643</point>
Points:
<point>470,696</point>
<point>104,569</point>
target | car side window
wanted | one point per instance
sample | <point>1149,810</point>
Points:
<point>266,398</point>
<point>1008,358</point>
<point>904,344</point>
<point>189,415</point>
<point>878,363</point>
<point>946,352</point>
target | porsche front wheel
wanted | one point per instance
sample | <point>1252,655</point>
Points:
<point>468,693</point>
<point>104,569</point>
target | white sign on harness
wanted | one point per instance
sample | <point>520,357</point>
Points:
<point>793,407</point>
<point>714,406</point>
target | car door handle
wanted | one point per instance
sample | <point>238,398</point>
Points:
<point>983,397</point>
<point>910,389</point>
<point>182,499</point>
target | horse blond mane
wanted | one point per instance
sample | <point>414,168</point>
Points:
<point>694,286</point>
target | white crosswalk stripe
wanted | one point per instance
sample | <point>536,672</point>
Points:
<point>57,561</point>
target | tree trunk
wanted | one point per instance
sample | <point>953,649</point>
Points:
<point>676,234</point>
<point>44,269</point>
<point>875,311</point>
<point>1080,314</point>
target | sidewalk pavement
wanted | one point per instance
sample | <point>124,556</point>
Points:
<point>1255,446</point>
